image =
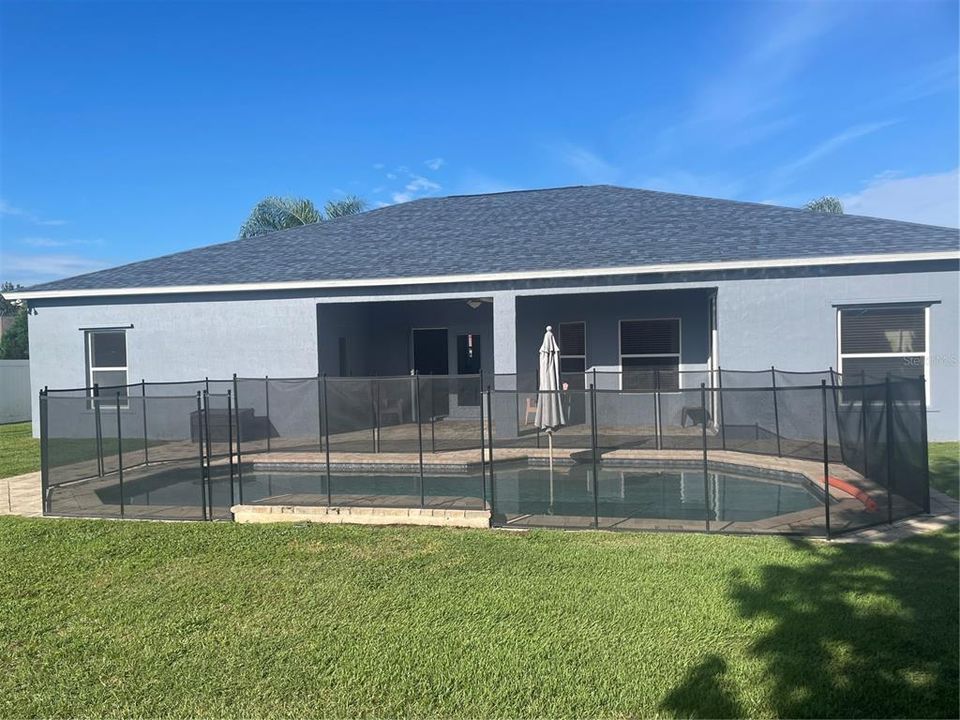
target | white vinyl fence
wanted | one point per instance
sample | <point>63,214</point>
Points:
<point>14,391</point>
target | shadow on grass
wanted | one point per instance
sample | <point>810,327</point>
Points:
<point>704,693</point>
<point>855,631</point>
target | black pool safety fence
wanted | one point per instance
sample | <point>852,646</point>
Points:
<point>721,451</point>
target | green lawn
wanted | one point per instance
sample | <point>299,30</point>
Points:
<point>945,467</point>
<point>19,452</point>
<point>163,619</point>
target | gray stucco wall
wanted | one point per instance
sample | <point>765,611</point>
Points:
<point>785,321</point>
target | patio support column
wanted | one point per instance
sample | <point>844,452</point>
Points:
<point>504,411</point>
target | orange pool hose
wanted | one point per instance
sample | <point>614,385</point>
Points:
<point>850,489</point>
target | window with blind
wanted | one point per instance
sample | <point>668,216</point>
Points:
<point>878,341</point>
<point>572,339</point>
<point>650,354</point>
<point>107,362</point>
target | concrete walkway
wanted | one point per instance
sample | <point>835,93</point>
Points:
<point>20,495</point>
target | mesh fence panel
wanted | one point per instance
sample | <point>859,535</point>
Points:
<point>349,415</point>
<point>294,418</point>
<point>626,420</point>
<point>450,412</point>
<point>395,404</point>
<point>682,417</point>
<point>72,455</point>
<point>530,493</point>
<point>253,416</point>
<point>749,419</point>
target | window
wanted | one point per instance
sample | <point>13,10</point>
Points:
<point>107,361</point>
<point>877,341</point>
<point>650,354</point>
<point>572,339</point>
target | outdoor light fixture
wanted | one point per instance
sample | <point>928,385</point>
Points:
<point>474,304</point>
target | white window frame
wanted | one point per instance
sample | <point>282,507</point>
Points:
<point>581,357</point>
<point>676,355</point>
<point>88,339</point>
<point>926,341</point>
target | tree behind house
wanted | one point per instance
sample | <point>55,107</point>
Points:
<point>14,344</point>
<point>281,213</point>
<point>826,204</point>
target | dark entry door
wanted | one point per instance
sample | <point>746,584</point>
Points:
<point>430,357</point>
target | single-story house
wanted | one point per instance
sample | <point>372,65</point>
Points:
<point>629,279</point>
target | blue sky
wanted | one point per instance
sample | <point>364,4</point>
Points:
<point>131,130</point>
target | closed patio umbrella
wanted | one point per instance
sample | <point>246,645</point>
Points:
<point>549,408</point>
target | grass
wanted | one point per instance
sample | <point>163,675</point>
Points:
<point>101,618</point>
<point>19,452</point>
<point>945,467</point>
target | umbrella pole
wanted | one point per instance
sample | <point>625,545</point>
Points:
<point>550,451</point>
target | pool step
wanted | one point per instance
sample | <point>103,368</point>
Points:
<point>444,517</point>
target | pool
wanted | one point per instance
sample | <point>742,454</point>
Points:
<point>667,497</point>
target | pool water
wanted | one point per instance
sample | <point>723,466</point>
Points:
<point>654,494</point>
<point>622,492</point>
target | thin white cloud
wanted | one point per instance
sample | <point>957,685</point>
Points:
<point>476,183</point>
<point>46,242</point>
<point>7,209</point>
<point>378,166</point>
<point>687,183</point>
<point>419,183</point>
<point>744,102</point>
<point>33,269</point>
<point>832,144</point>
<point>435,163</point>
<point>587,163</point>
<point>929,199</point>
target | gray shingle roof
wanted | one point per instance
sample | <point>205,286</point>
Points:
<point>563,228</point>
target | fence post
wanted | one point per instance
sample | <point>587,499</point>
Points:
<point>888,413</point>
<point>319,412</point>
<point>776,409</point>
<point>120,454</point>
<point>206,434</point>
<point>143,396</point>
<point>657,417</point>
<point>230,448</point>
<point>703,438</point>
<point>826,458</point>
<point>98,427</point>
<point>723,425</point>
<point>925,447</point>
<point>593,447</point>
<point>493,502</point>
<point>236,410</point>
<point>375,401</point>
<point>863,424</point>
<point>834,381</point>
<point>416,380</point>
<point>266,402</point>
<point>326,430</point>
<point>483,446</point>
<point>44,456</point>
<point>203,474</point>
